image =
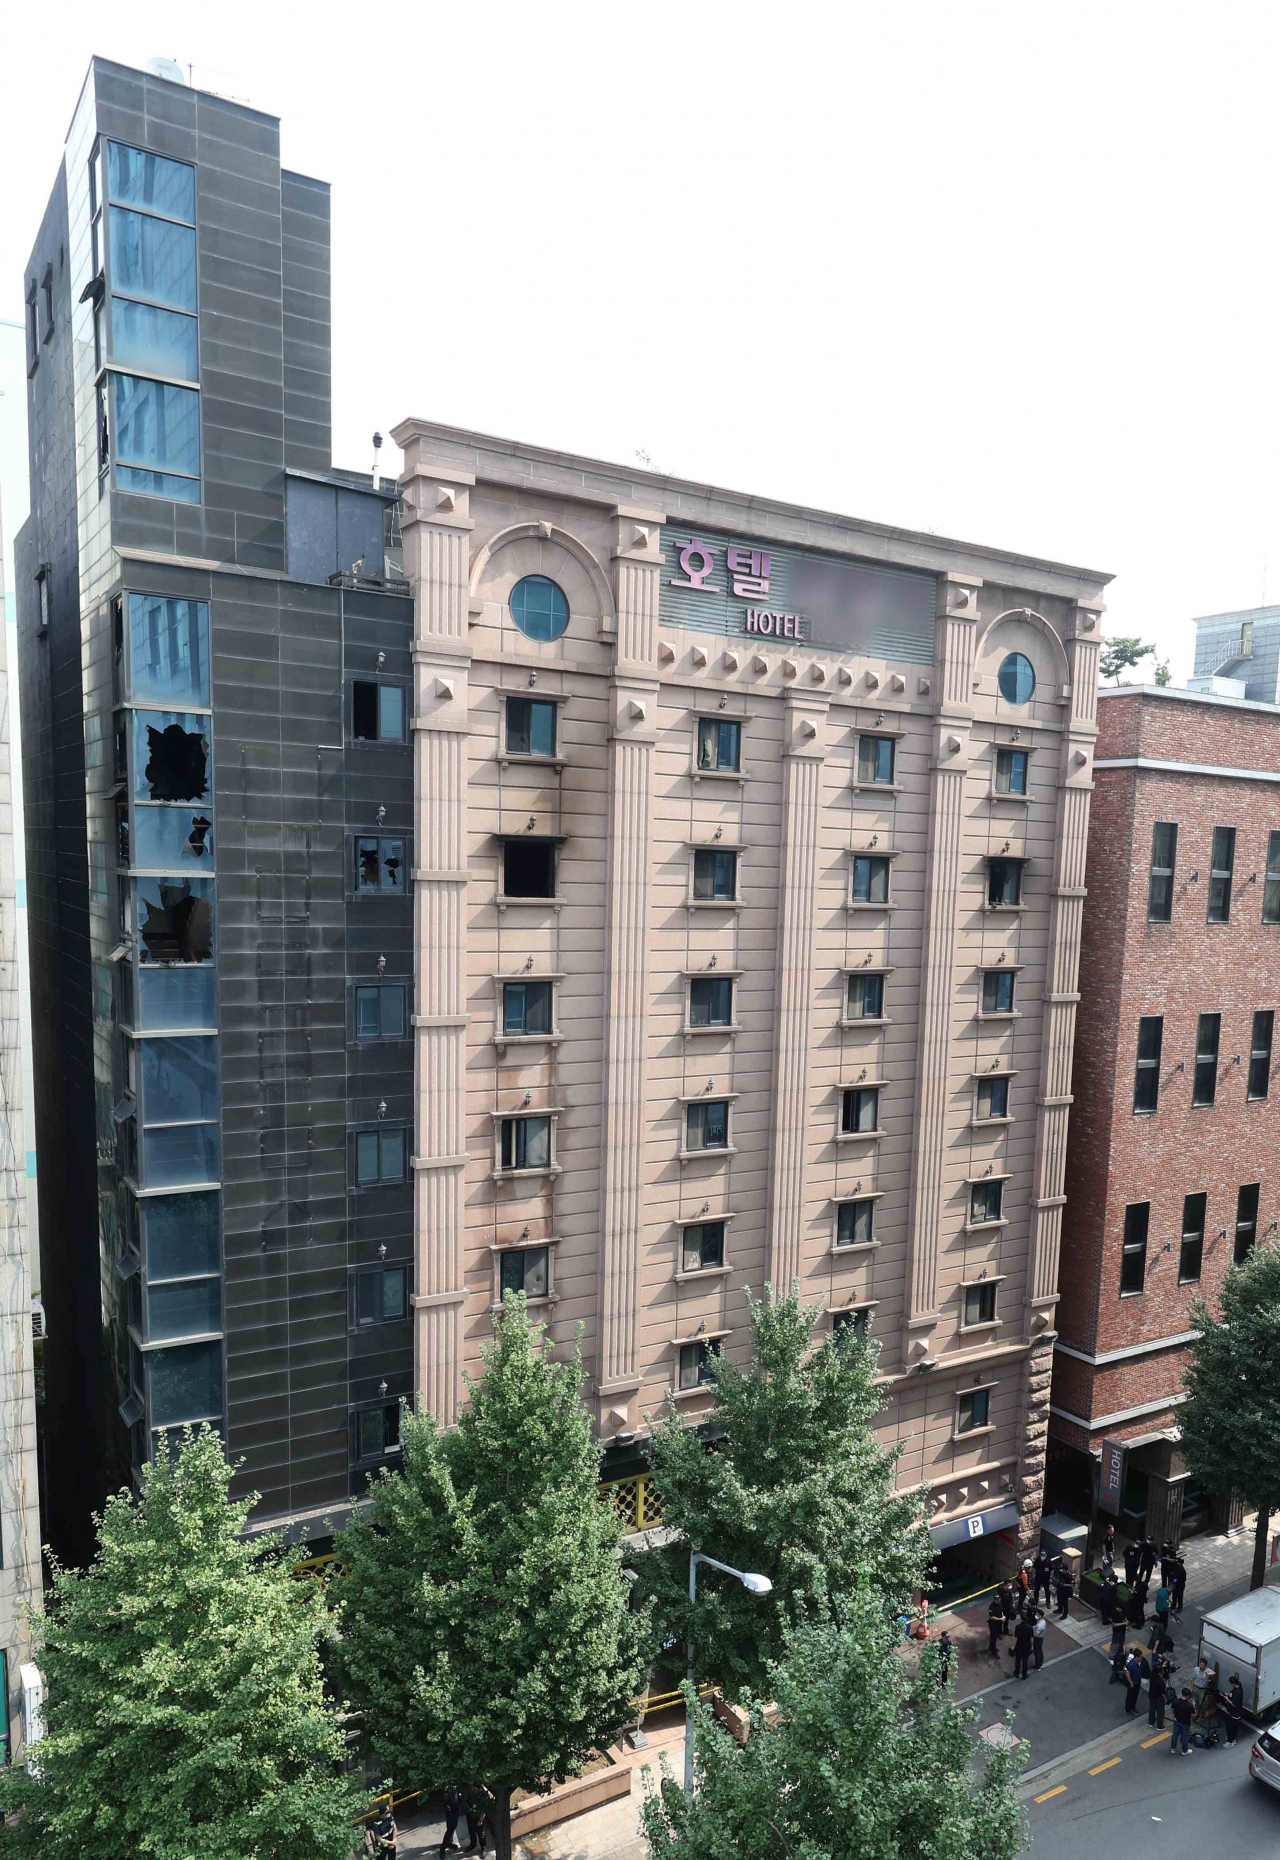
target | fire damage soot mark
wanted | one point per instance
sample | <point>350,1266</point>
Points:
<point>178,764</point>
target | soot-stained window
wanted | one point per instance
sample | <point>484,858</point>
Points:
<point>171,757</point>
<point>175,919</point>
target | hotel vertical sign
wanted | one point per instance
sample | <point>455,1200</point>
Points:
<point>1111,1476</point>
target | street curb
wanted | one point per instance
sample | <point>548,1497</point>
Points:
<point>1071,1761</point>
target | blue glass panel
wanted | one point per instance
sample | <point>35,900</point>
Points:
<point>158,484</point>
<point>155,424</point>
<point>140,180</point>
<point>187,1310</point>
<point>173,919</point>
<point>168,649</point>
<point>151,258</point>
<point>186,1384</point>
<point>171,757</point>
<point>177,1153</point>
<point>173,839</point>
<point>179,1079</point>
<point>178,997</point>
<point>539,608</point>
<point>161,341</point>
<point>181,1234</point>
<point>1016,678</point>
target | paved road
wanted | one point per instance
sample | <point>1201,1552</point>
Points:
<point>1146,1802</point>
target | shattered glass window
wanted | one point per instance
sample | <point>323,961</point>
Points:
<point>170,756</point>
<point>174,918</point>
<point>379,864</point>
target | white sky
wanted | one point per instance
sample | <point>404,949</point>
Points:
<point>1007,272</point>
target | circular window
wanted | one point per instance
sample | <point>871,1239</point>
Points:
<point>1016,678</point>
<point>539,608</point>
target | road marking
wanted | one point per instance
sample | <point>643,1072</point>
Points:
<point>1158,1739</point>
<point>1060,1790</point>
<point>1108,1765</point>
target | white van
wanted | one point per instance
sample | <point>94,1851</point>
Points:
<point>1244,1638</point>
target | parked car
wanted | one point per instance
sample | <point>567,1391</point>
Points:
<point>1264,1760</point>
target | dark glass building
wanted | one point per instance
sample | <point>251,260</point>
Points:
<point>215,650</point>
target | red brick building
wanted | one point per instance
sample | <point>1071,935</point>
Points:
<point>1173,1157</point>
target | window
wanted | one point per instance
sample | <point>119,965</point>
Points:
<point>376,1431</point>
<point>179,1079</point>
<point>1133,1250</point>
<point>529,868</point>
<point>163,342</point>
<point>993,1099</point>
<point>42,591</point>
<point>173,919</point>
<point>706,1125</point>
<point>527,1007</point>
<point>719,744</point>
<point>168,650</point>
<point>870,881</point>
<point>1146,1084</point>
<point>531,727</point>
<point>381,1294</point>
<point>1246,1222</point>
<point>710,1001</point>
<point>1192,1250</point>
<point>860,1109</point>
<point>170,756</point>
<point>1205,1083</point>
<point>380,1011</point>
<point>974,1410</point>
<point>1011,771</point>
<point>985,1202</point>
<point>702,1246</point>
<point>46,286</point>
<point>695,1362</point>
<point>539,608</point>
<point>186,1384</point>
<point>33,328</point>
<point>850,1323</point>
<point>979,1304</point>
<point>380,1155</point>
<point>526,1142</point>
<point>189,1308</point>
<point>854,1221</point>
<point>997,991</point>
<point>1164,859</point>
<point>1221,864</point>
<point>866,997</point>
<point>1004,882</point>
<point>876,759</point>
<point>377,712</point>
<point>153,259</point>
<point>525,1270</point>
<point>157,438</point>
<point>152,182</point>
<point>1260,1053</point>
<point>379,864</point>
<point>715,874</point>
<point>1016,679</point>
<point>1271,890</point>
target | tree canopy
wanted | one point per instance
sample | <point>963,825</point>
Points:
<point>487,1635</point>
<point>1230,1421</point>
<point>184,1705</point>
<point>863,1762</point>
<point>796,1487</point>
<point>1121,654</point>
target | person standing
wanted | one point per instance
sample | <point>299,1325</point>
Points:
<point>1147,1558</point>
<point>455,1810</point>
<point>1064,1592</point>
<point>1131,1554</point>
<point>1184,1711</point>
<point>1133,1678</point>
<point>1233,1708</point>
<point>1006,1603</point>
<point>1157,1691</point>
<point>1037,1632</point>
<point>1178,1590</point>
<point>1044,1574</point>
<point>1107,1600</point>
<point>1023,1641</point>
<point>995,1625</point>
<point>1163,1599</point>
<point>380,1837</point>
<point>1115,1652</point>
<point>1167,1553</point>
<point>1109,1543</point>
<point>1135,1613</point>
<point>1203,1682</point>
<point>1022,1585</point>
<point>946,1649</point>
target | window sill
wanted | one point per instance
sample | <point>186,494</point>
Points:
<point>527,1039</point>
<point>836,1251</point>
<point>1140,1293</point>
<point>876,787</point>
<point>704,1388</point>
<point>729,1027</point>
<point>1013,1014</point>
<point>867,1020</point>
<point>697,774</point>
<point>990,1123</point>
<point>525,1175</point>
<point>865,904</point>
<point>859,1136</point>
<point>999,794</point>
<point>1002,910</point>
<point>557,903</point>
<point>983,1227</point>
<point>508,760</point>
<point>713,904</point>
<point>533,1304</point>
<point>703,1272</point>
<point>971,1433</point>
<point>727,1149</point>
<point>972,1330</point>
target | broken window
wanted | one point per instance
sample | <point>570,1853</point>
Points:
<point>122,832</point>
<point>377,712</point>
<point>379,864</point>
<point>529,868</point>
<point>170,756</point>
<point>174,917</point>
<point>169,837</point>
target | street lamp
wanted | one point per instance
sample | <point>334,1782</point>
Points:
<point>755,1585</point>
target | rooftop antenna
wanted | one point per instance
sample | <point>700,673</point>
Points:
<point>377,448</point>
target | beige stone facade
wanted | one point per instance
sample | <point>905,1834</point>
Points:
<point>624,804</point>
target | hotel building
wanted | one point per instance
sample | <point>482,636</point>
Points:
<point>748,868</point>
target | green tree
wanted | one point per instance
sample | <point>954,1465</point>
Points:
<point>797,1488</point>
<point>185,1713</point>
<point>1230,1421</point>
<point>864,1762</point>
<point>1121,655</point>
<point>1163,675</point>
<point>487,1636</point>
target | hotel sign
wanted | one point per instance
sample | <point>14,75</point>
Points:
<point>724,584</point>
<point>1111,1476</point>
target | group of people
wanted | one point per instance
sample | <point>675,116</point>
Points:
<point>469,1806</point>
<point>1013,1609</point>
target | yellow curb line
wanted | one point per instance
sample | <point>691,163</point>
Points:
<point>1060,1790</point>
<point>1158,1739</point>
<point>1108,1765</point>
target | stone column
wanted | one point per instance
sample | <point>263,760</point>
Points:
<point>1036,1382</point>
<point>804,750</point>
<point>1164,1507</point>
<point>436,528</point>
<point>957,620</point>
<point>634,704</point>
